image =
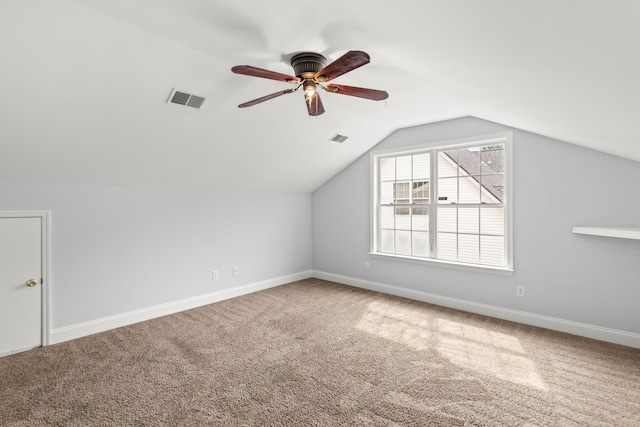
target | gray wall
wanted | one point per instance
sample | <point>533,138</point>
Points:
<point>587,279</point>
<point>118,249</point>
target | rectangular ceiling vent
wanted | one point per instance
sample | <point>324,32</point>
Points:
<point>339,138</point>
<point>183,98</point>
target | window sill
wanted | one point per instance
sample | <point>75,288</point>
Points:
<point>447,264</point>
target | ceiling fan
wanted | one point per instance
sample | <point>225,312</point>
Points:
<point>311,71</point>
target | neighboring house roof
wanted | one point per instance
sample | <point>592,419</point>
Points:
<point>487,163</point>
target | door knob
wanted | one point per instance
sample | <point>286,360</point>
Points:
<point>31,283</point>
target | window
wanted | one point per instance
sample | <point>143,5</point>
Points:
<point>447,202</point>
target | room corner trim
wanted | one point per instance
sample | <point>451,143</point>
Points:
<point>79,330</point>
<point>614,336</point>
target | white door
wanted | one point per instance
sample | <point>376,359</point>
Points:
<point>20,284</point>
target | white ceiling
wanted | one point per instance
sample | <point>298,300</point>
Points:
<point>85,83</point>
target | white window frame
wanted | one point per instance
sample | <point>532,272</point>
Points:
<point>505,138</point>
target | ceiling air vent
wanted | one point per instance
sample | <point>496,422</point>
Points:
<point>183,98</point>
<point>339,138</point>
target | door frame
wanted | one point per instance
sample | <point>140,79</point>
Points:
<point>45,237</point>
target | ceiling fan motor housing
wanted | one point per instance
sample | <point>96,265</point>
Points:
<point>307,64</point>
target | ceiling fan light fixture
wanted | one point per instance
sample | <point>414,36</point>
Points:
<point>309,91</point>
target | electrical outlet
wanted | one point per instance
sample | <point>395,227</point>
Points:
<point>214,275</point>
<point>236,271</point>
<point>366,265</point>
<point>520,291</point>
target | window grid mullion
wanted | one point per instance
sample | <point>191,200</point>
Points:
<point>411,207</point>
<point>395,202</point>
<point>433,204</point>
<point>457,205</point>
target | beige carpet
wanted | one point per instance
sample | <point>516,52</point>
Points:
<point>321,354</point>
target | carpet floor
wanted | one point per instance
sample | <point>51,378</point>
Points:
<point>316,353</point>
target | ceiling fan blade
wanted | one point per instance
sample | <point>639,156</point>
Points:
<point>266,98</point>
<point>315,107</point>
<point>248,70</point>
<point>374,94</point>
<point>347,62</point>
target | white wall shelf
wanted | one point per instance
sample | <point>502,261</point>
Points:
<point>619,232</point>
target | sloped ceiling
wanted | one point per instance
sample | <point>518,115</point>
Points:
<point>85,83</point>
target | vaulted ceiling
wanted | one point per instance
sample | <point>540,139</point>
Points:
<point>85,83</point>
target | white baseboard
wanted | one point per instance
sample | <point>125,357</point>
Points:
<point>581,329</point>
<point>111,322</point>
